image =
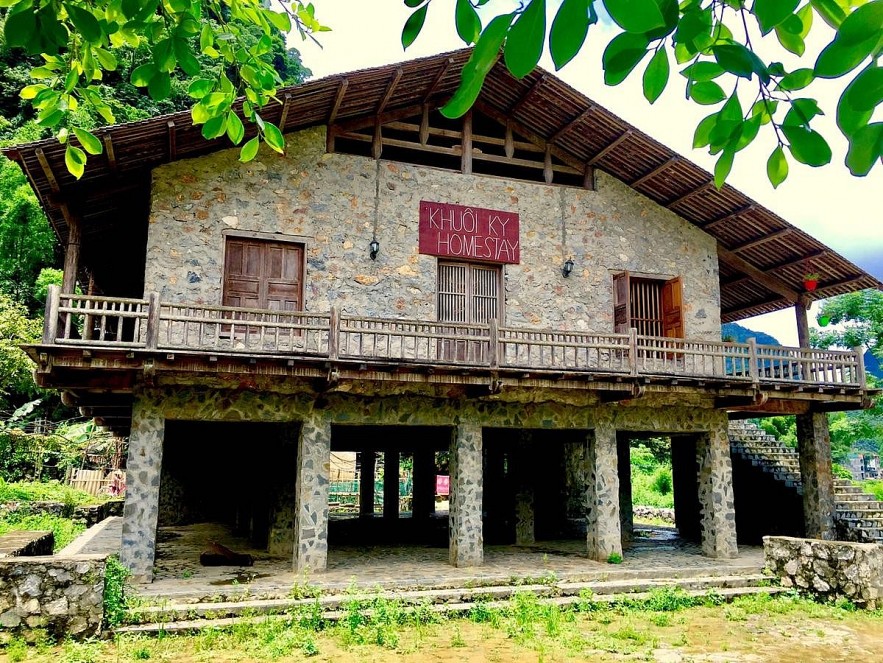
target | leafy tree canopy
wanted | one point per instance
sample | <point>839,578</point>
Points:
<point>856,320</point>
<point>15,367</point>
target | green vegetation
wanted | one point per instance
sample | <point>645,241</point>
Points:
<point>115,576</point>
<point>64,529</point>
<point>50,491</point>
<point>651,475</point>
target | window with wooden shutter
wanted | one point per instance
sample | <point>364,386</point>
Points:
<point>654,307</point>
<point>469,293</point>
<point>263,274</point>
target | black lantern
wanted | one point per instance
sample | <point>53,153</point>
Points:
<point>567,268</point>
<point>374,248</point>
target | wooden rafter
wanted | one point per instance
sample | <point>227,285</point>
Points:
<point>390,89</point>
<point>653,173</point>
<point>699,189</point>
<point>47,170</point>
<point>729,217</point>
<point>772,237</point>
<point>528,96</point>
<point>625,135</point>
<point>738,313</point>
<point>108,150</point>
<point>338,99</point>
<point>438,77</point>
<point>768,281</point>
<point>573,124</point>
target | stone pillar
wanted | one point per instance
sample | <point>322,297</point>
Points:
<point>603,533</point>
<point>466,541</point>
<point>717,509</point>
<point>366,483</point>
<point>575,481</point>
<point>524,491</point>
<point>624,470</point>
<point>390,484</point>
<point>143,471</point>
<point>814,445</point>
<point>311,520</point>
<point>423,502</point>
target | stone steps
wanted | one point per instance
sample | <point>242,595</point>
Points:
<point>570,594</point>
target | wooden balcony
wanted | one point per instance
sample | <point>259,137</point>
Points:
<point>137,339</point>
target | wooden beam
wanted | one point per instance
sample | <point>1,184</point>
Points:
<point>772,237</point>
<point>466,155</point>
<point>766,280</point>
<point>47,170</point>
<point>573,124</point>
<point>283,118</point>
<point>423,132</point>
<point>527,96</point>
<point>728,217</point>
<point>653,173</point>
<point>358,123</point>
<point>548,173</point>
<point>377,142</point>
<point>802,319</point>
<point>435,81</point>
<point>173,150</point>
<point>689,194</point>
<point>338,100</point>
<point>71,256</point>
<point>390,89</point>
<point>625,135</point>
<point>509,142</point>
<point>108,150</point>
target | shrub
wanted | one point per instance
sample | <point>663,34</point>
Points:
<point>115,575</point>
<point>662,482</point>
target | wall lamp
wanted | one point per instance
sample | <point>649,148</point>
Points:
<point>374,248</point>
<point>567,268</point>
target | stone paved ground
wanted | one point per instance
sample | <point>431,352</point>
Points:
<point>657,552</point>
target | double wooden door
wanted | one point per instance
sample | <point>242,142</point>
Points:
<point>263,274</point>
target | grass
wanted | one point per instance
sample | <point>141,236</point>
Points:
<point>646,487</point>
<point>65,530</point>
<point>45,491</point>
<point>670,624</point>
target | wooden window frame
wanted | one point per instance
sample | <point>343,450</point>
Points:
<point>670,303</point>
<point>501,297</point>
<point>270,238</point>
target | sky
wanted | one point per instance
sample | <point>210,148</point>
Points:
<point>843,211</point>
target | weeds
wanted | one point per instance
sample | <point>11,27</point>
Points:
<point>614,558</point>
<point>115,576</point>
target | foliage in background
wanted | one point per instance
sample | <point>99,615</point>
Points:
<point>44,491</point>
<point>64,529</point>
<point>651,474</point>
<point>783,428</point>
<point>716,48</point>
<point>16,328</point>
<point>856,320</point>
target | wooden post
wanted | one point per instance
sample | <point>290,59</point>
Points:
<point>333,333</point>
<point>466,156</point>
<point>548,172</point>
<point>494,344</point>
<point>752,361</point>
<point>633,350</point>
<point>71,256</point>
<point>377,141</point>
<point>860,366</point>
<point>152,333</point>
<point>50,321</point>
<point>802,323</point>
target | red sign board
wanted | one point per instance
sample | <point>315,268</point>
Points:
<point>442,484</point>
<point>469,233</point>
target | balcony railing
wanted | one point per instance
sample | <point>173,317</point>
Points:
<point>148,324</point>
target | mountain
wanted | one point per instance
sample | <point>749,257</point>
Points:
<point>739,334</point>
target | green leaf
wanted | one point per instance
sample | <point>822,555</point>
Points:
<point>865,93</point>
<point>865,149</point>
<point>215,127</point>
<point>413,3</point>
<point>483,57</point>
<point>839,58</point>
<point>235,128</point>
<point>770,13</point>
<point>707,93</point>
<point>85,23</point>
<point>186,60</point>
<point>89,141</point>
<point>130,8</point>
<point>738,60</point>
<point>467,21</point>
<point>702,135</point>
<point>524,45</point>
<point>722,167</point>
<point>31,91</point>
<point>635,16</point>
<point>413,26</point>
<point>622,55</point>
<point>107,59</point>
<point>250,150</point>
<point>280,20</point>
<point>865,23</point>
<point>141,75</point>
<point>164,55</point>
<point>206,38</point>
<point>764,109</point>
<point>830,12</point>
<point>790,41</point>
<point>21,26</point>
<point>802,112</point>
<point>747,133</point>
<point>777,167</point>
<point>807,146</point>
<point>656,75</point>
<point>160,86</point>
<point>75,160</point>
<point>702,71</point>
<point>796,80</point>
<point>200,87</point>
<point>850,120</point>
<point>569,30</point>
<point>273,137</point>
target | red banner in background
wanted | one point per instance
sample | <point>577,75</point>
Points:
<point>442,484</point>
<point>469,233</point>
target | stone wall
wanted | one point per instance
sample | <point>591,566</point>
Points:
<point>61,595</point>
<point>91,514</point>
<point>335,202</point>
<point>828,569</point>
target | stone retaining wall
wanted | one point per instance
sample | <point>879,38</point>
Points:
<point>62,595</point>
<point>90,515</point>
<point>828,569</point>
<point>667,515</point>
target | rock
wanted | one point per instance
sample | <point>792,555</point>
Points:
<point>10,619</point>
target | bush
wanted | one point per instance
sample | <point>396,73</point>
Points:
<point>662,482</point>
<point>115,576</point>
<point>63,529</point>
<point>841,472</point>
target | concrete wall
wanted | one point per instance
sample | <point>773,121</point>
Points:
<point>62,595</point>
<point>334,201</point>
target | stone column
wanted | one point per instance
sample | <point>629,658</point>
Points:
<point>576,476</point>
<point>466,541</point>
<point>313,470</point>
<point>524,491</point>
<point>366,483</point>
<point>717,510</point>
<point>814,445</point>
<point>423,502</point>
<point>390,484</point>
<point>143,471</point>
<point>624,470</point>
<point>603,533</point>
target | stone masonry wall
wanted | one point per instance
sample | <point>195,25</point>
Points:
<point>828,569</point>
<point>61,595</point>
<point>331,201</point>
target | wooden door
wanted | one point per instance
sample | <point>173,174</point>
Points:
<point>471,294</point>
<point>672,309</point>
<point>263,274</point>
<point>622,318</point>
